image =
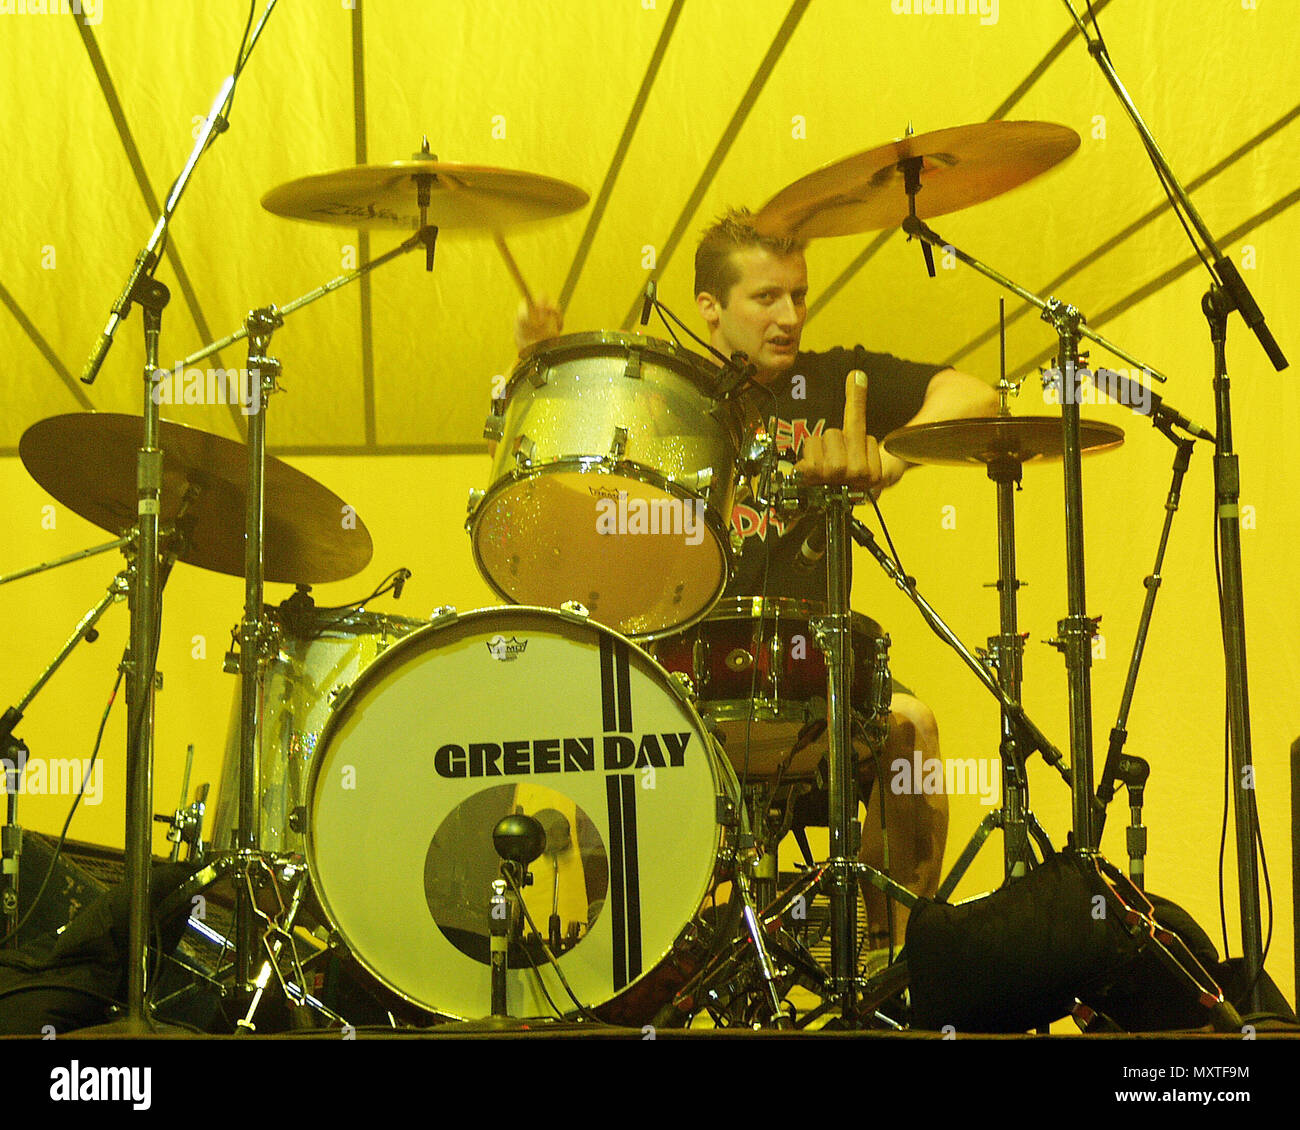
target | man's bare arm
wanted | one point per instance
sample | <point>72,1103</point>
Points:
<point>950,395</point>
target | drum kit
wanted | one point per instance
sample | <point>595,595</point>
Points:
<point>391,784</point>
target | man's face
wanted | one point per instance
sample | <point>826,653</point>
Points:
<point>764,312</point>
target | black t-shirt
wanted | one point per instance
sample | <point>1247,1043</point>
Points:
<point>895,392</point>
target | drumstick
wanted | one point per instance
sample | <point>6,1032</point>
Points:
<point>513,268</point>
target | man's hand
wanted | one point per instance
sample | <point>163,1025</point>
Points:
<point>537,323</point>
<point>850,457</point>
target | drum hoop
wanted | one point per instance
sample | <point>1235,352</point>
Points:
<point>780,607</point>
<point>701,373</point>
<point>377,623</point>
<point>595,465</point>
<point>721,772</point>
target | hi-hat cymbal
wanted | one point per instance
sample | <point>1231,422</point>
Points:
<point>460,197</point>
<point>960,166</point>
<point>984,440</point>
<point>87,461</point>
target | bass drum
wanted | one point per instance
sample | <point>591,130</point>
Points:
<point>509,710</point>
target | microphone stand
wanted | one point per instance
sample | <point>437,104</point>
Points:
<point>145,601</point>
<point>1228,292</point>
<point>1076,629</point>
<point>1133,771</point>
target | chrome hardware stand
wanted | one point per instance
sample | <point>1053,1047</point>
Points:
<point>1228,292</point>
<point>1005,657</point>
<point>1077,628</point>
<point>146,592</point>
<point>256,632</point>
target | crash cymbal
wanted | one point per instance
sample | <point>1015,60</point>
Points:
<point>87,461</point>
<point>460,197</point>
<point>960,166</point>
<point>982,440</point>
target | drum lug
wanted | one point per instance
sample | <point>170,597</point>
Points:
<point>633,367</point>
<point>737,542</point>
<point>476,497</point>
<point>755,458</point>
<point>725,815</point>
<point>443,614</point>
<point>698,482</point>
<point>525,450</point>
<point>618,448</point>
<point>298,818</point>
<point>684,683</point>
<point>494,427</point>
<point>575,611</point>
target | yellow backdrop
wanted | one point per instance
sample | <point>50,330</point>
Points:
<point>666,113</point>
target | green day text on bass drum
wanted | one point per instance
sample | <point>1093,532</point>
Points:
<point>506,710</point>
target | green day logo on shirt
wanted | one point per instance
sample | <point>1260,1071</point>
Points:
<point>748,521</point>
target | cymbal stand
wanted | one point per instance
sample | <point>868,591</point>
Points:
<point>152,297</point>
<point>1006,656</point>
<point>253,631</point>
<point>1076,630</point>
<point>256,632</point>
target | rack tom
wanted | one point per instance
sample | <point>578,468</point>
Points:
<point>613,481</point>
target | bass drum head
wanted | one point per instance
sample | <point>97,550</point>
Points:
<point>500,711</point>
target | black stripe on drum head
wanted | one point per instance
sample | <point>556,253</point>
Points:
<point>623,668</point>
<point>609,721</point>
<point>632,882</point>
<point>617,862</point>
<point>615,685</point>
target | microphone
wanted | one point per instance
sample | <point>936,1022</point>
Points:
<point>403,575</point>
<point>813,548</point>
<point>1145,401</point>
<point>651,290</point>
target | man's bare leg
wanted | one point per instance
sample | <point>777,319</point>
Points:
<point>917,821</point>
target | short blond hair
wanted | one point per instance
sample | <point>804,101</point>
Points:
<point>715,272</point>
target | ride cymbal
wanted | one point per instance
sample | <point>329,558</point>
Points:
<point>984,440</point>
<point>460,197</point>
<point>960,166</point>
<point>87,461</point>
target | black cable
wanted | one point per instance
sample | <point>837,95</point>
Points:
<point>582,1008</point>
<point>884,529</point>
<point>388,584</point>
<point>58,847</point>
<point>1257,843</point>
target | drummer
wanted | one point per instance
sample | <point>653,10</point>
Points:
<point>830,410</point>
